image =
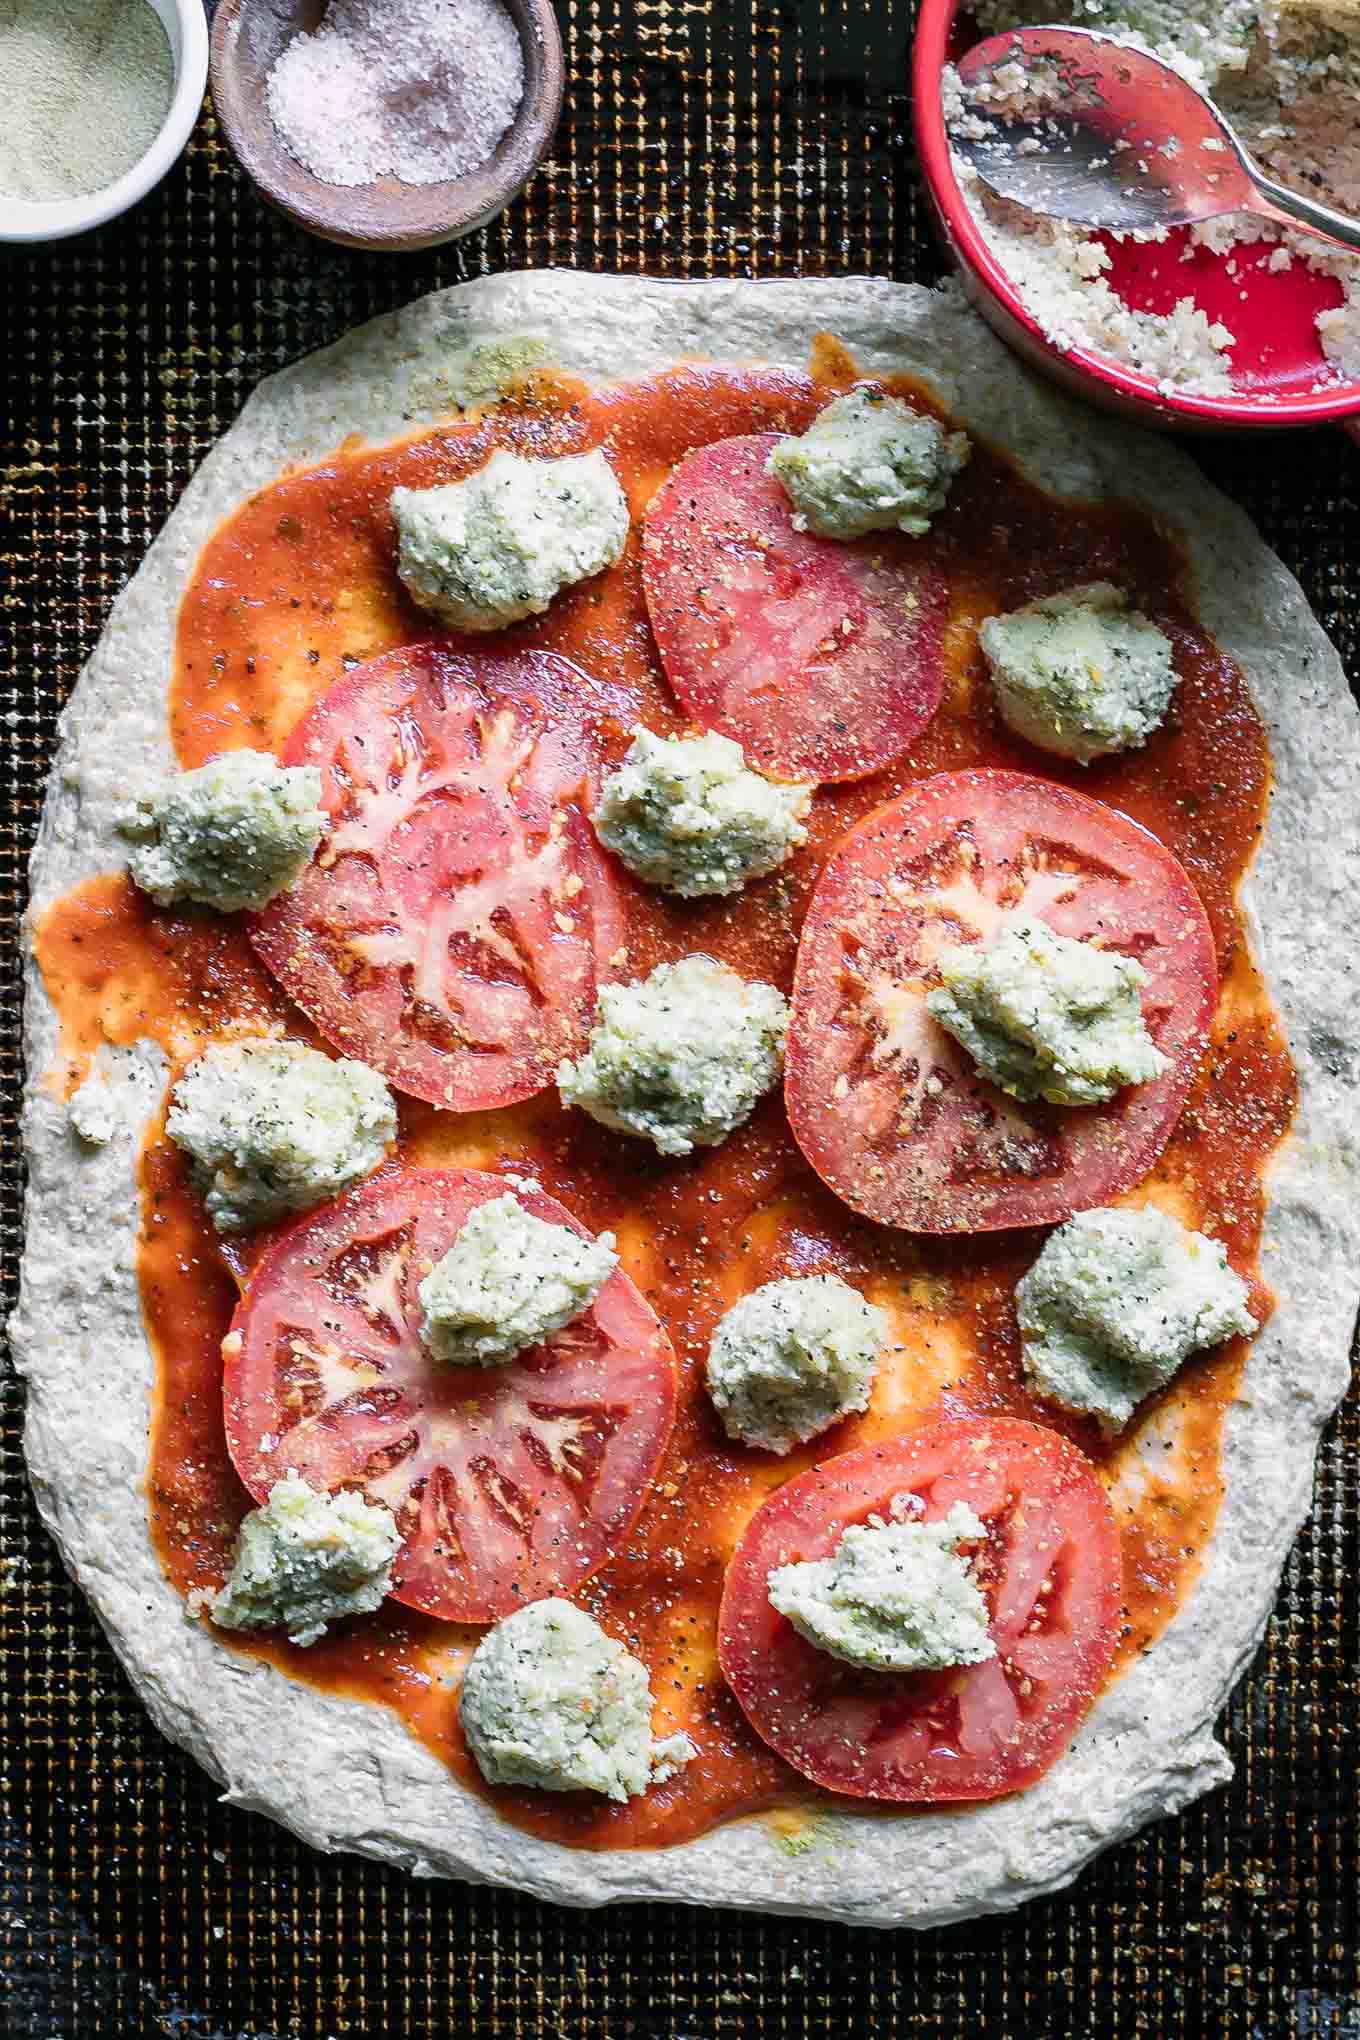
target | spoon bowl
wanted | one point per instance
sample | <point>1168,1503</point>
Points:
<point>1082,127</point>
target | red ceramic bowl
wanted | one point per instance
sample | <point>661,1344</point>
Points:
<point>1277,360</point>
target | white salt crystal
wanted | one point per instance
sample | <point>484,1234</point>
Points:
<point>421,90</point>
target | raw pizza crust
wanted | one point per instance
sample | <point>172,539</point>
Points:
<point>347,1775</point>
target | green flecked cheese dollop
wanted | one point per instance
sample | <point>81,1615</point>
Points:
<point>681,1058</point>
<point>551,1700</point>
<point>688,814</point>
<point>508,1281</point>
<point>1116,1302</point>
<point>1082,674</point>
<point>894,1595</point>
<point>868,462</point>
<point>304,1560</point>
<point>793,1358</point>
<point>272,1127</point>
<point>500,545</point>
<point>1048,1016</point>
<point>231,834</point>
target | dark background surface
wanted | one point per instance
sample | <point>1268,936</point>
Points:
<point>738,137</point>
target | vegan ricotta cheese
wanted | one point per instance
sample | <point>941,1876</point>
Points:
<point>868,462</point>
<point>1082,674</point>
<point>487,551</point>
<point>304,1560</point>
<point>689,814</point>
<point>507,1282</point>
<point>1048,1016</point>
<point>230,834</point>
<point>681,1058</point>
<point>793,1358</point>
<point>894,1596</point>
<point>272,1127</point>
<point>551,1700</point>
<point>1116,1302</point>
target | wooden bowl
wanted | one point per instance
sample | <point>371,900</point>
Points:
<point>247,37</point>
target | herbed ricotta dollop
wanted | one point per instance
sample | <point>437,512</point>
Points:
<point>507,1282</point>
<point>894,1596</point>
<point>487,551</point>
<point>272,1127</point>
<point>230,834</point>
<point>304,1560</point>
<point>689,814</point>
<point>868,463</point>
<point>1116,1302</point>
<point>551,1700</point>
<point>1082,674</point>
<point>1048,1016</point>
<point>680,1058</point>
<point>793,1358</point>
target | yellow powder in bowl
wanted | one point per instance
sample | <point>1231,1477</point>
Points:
<point>84,88</point>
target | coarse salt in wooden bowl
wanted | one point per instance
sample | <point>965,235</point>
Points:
<point>386,215</point>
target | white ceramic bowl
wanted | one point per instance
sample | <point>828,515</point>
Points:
<point>53,219</point>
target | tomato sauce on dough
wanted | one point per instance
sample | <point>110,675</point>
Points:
<point>295,589</point>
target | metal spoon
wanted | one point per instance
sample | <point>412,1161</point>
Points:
<point>1094,131</point>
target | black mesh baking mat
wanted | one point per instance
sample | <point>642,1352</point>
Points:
<point>701,137</point>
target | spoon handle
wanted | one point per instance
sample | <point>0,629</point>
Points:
<point>1291,209</point>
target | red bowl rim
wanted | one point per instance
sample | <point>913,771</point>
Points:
<point>934,23</point>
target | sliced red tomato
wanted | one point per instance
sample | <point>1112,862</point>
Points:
<point>822,659</point>
<point>452,927</point>
<point>887,1107</point>
<point>1050,1572</point>
<point>507,1482</point>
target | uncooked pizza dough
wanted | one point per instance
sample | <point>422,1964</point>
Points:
<point>346,1774</point>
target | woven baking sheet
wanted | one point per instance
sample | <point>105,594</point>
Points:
<point>739,137</point>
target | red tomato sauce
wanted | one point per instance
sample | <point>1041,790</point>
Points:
<point>295,588</point>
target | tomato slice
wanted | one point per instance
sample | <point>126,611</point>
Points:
<point>822,659</point>
<point>508,1483</point>
<point>452,928</point>
<point>1050,1572</point>
<point>891,1112</point>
